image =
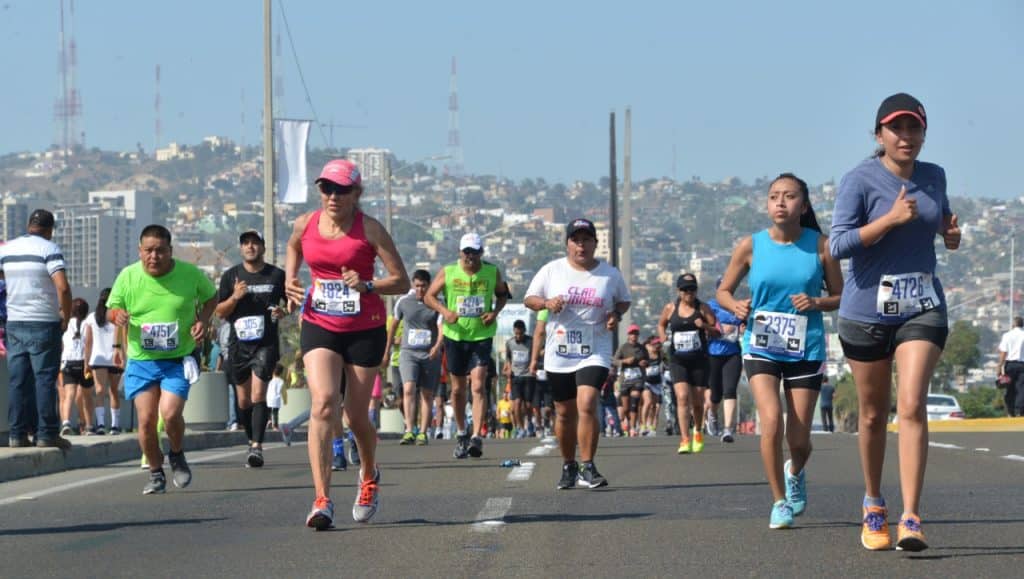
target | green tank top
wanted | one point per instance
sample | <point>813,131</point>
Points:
<point>470,296</point>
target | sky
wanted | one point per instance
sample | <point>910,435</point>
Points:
<point>736,89</point>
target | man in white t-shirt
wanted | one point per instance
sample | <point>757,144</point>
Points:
<point>38,310</point>
<point>586,298</point>
<point>1011,363</point>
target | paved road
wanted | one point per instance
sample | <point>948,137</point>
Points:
<point>663,516</point>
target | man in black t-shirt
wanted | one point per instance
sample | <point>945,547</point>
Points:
<point>250,298</point>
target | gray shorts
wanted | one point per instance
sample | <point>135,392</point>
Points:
<point>423,371</point>
<point>866,342</point>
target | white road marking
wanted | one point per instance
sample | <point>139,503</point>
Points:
<point>489,519</point>
<point>945,445</point>
<point>983,449</point>
<point>522,472</point>
<point>1016,457</point>
<point>540,451</point>
<point>131,469</point>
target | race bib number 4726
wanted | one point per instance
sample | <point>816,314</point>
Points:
<point>905,295</point>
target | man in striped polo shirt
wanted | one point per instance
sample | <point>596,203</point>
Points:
<point>38,309</point>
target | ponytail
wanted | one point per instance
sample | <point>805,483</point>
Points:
<point>101,308</point>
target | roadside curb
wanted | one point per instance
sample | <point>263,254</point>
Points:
<point>93,451</point>
<point>1005,424</point>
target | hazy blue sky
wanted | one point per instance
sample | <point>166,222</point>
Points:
<point>742,89</point>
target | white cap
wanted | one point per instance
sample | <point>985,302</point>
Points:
<point>471,241</point>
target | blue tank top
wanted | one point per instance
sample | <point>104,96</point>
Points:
<point>778,271</point>
<point>724,347</point>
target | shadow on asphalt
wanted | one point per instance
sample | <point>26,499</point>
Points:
<point>103,527</point>
<point>685,486</point>
<point>981,552</point>
<point>527,518</point>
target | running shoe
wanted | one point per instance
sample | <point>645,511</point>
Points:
<point>114,431</point>
<point>570,471</point>
<point>368,498</point>
<point>461,446</point>
<point>157,484</point>
<point>874,533</point>
<point>782,516</point>
<point>727,436</point>
<point>713,425</point>
<point>796,488</point>
<point>476,447</point>
<point>407,439</point>
<point>99,430</point>
<point>321,517</point>
<point>286,434</point>
<point>88,431</point>
<point>421,439</point>
<point>58,442</point>
<point>353,451</point>
<point>589,477</point>
<point>698,441</point>
<point>181,473</point>
<point>909,536</point>
<point>338,462</point>
<point>255,458</point>
<point>685,446</point>
<point>438,433</point>
<point>65,429</point>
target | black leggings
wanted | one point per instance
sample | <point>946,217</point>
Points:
<point>724,376</point>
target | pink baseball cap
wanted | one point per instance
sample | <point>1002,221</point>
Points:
<point>341,171</point>
<point>633,328</point>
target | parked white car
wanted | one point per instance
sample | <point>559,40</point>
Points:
<point>944,407</point>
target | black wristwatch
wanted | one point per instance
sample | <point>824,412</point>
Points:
<point>369,286</point>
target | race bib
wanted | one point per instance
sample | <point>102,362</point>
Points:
<point>161,337</point>
<point>469,306</point>
<point>779,334</point>
<point>333,298</point>
<point>632,374</point>
<point>520,357</point>
<point>730,333</point>
<point>575,343</point>
<point>249,328</point>
<point>653,370</point>
<point>905,295</point>
<point>418,338</point>
<point>686,342</point>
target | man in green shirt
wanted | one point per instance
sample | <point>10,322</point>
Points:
<point>474,292</point>
<point>166,305</point>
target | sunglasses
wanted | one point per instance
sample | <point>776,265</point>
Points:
<point>468,251</point>
<point>328,188</point>
<point>688,289</point>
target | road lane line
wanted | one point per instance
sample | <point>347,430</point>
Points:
<point>131,469</point>
<point>522,472</point>
<point>1016,457</point>
<point>983,449</point>
<point>945,445</point>
<point>540,451</point>
<point>490,518</point>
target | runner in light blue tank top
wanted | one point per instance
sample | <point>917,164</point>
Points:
<point>785,340</point>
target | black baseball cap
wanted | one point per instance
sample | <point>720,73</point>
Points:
<point>686,281</point>
<point>897,105</point>
<point>41,218</point>
<point>580,225</point>
<point>250,234</point>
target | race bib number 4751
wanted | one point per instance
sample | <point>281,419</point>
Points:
<point>160,337</point>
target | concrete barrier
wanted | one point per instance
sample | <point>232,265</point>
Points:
<point>391,421</point>
<point>1005,424</point>
<point>298,402</point>
<point>207,407</point>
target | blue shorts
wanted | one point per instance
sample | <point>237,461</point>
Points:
<point>169,375</point>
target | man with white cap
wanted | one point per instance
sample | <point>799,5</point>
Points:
<point>474,292</point>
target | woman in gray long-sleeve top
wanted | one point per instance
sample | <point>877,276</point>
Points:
<point>889,210</point>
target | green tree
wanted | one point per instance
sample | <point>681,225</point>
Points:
<point>844,404</point>
<point>960,354</point>
<point>984,402</point>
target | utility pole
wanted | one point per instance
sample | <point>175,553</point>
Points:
<point>1013,242</point>
<point>627,208</point>
<point>613,238</point>
<point>268,140</point>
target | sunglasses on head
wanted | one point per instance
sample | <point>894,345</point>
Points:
<point>328,188</point>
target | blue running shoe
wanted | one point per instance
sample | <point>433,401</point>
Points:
<point>782,516</point>
<point>796,489</point>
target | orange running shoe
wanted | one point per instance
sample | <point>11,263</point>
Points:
<point>874,534</point>
<point>698,441</point>
<point>685,446</point>
<point>909,536</point>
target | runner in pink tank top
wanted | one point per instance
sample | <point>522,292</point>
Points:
<point>343,329</point>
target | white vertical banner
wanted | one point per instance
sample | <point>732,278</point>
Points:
<point>291,160</point>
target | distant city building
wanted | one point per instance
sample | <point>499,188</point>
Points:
<point>370,162</point>
<point>101,237</point>
<point>13,218</point>
<point>604,250</point>
<point>173,151</point>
